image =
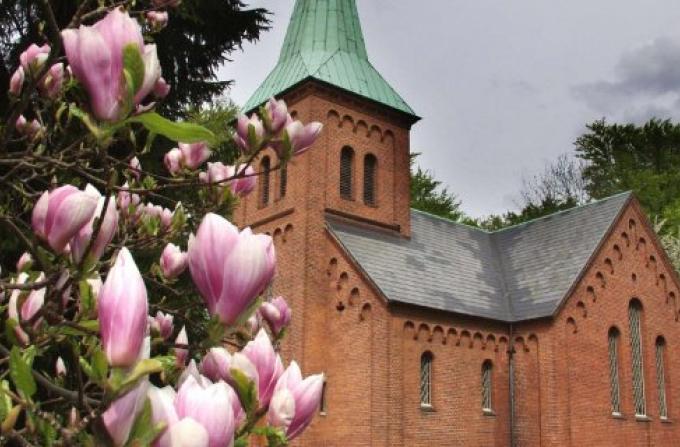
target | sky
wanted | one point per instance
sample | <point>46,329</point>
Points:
<point>503,87</point>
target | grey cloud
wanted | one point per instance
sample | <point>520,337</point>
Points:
<point>647,84</point>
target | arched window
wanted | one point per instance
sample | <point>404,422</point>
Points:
<point>487,385</point>
<point>346,172</point>
<point>426,379</point>
<point>634,317</point>
<point>615,392</point>
<point>265,166</point>
<point>323,407</point>
<point>370,171</point>
<point>283,181</point>
<point>661,377</point>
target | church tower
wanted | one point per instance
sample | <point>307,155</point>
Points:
<point>358,170</point>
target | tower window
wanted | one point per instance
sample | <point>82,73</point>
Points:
<point>426,380</point>
<point>615,393</point>
<point>283,181</point>
<point>370,165</point>
<point>634,316</point>
<point>265,167</point>
<point>661,377</point>
<point>323,407</point>
<point>487,385</point>
<point>346,174</point>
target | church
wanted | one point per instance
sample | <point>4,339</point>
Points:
<point>557,332</point>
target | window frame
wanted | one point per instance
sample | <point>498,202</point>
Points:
<point>637,358</point>
<point>371,187</point>
<point>265,182</point>
<point>346,183</point>
<point>613,347</point>
<point>487,387</point>
<point>425,380</point>
<point>660,357</point>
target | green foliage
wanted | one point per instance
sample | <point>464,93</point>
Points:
<point>20,372</point>
<point>144,431</point>
<point>644,159</point>
<point>215,117</point>
<point>184,132</point>
<point>428,195</point>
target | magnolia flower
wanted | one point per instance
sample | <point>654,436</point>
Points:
<point>32,304</point>
<point>230,268</point>
<point>16,82</point>
<point>95,54</point>
<point>162,324</point>
<point>31,130</point>
<point>216,364</point>
<point>244,127</point>
<point>60,367</point>
<point>301,137</point>
<point>126,199</point>
<point>181,354</point>
<point>245,184</point>
<point>295,401</point>
<point>194,154</point>
<point>122,413</point>
<point>107,229</point>
<point>173,261</point>
<point>24,262</point>
<point>157,20</point>
<point>135,167</point>
<point>161,88</point>
<point>211,406</point>
<point>34,57</point>
<point>276,313</point>
<point>61,213</point>
<point>276,115</point>
<point>123,309</point>
<point>173,161</point>
<point>163,411</point>
<point>267,363</point>
<point>52,82</point>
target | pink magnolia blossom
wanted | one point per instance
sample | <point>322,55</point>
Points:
<point>25,262</point>
<point>16,82</point>
<point>194,154</point>
<point>295,401</point>
<point>277,115</point>
<point>276,313</point>
<point>173,261</point>
<point>135,167</point>
<point>51,84</point>
<point>163,411</point>
<point>162,324</point>
<point>209,404</point>
<point>216,364</point>
<point>60,214</point>
<point>181,354</point>
<point>157,20</point>
<point>126,199</point>
<point>107,229</point>
<point>34,57</point>
<point>244,126</point>
<point>161,88</point>
<point>173,161</point>
<point>301,137</point>
<point>30,129</point>
<point>267,363</point>
<point>60,367</point>
<point>230,268</point>
<point>122,413</point>
<point>95,54</point>
<point>123,309</point>
<point>32,304</point>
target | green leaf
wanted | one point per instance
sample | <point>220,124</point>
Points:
<point>86,119</point>
<point>134,65</point>
<point>143,431</point>
<point>141,369</point>
<point>5,400</point>
<point>86,296</point>
<point>20,373</point>
<point>175,131</point>
<point>100,367</point>
<point>246,391</point>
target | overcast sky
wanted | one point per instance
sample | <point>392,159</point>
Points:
<point>504,86</point>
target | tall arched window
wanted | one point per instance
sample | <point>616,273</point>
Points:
<point>615,392</point>
<point>283,181</point>
<point>265,166</point>
<point>346,172</point>
<point>323,407</point>
<point>634,317</point>
<point>370,171</point>
<point>487,385</point>
<point>426,379</point>
<point>661,377</point>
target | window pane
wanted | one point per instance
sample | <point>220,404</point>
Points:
<point>264,181</point>
<point>636,352</point>
<point>661,379</point>
<point>486,385</point>
<point>346,162</point>
<point>283,181</point>
<point>370,163</point>
<point>614,370</point>
<point>425,379</point>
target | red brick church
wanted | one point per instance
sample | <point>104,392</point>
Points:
<point>558,332</point>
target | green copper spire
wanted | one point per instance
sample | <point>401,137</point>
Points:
<point>324,41</point>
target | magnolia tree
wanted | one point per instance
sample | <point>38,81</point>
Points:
<point>129,322</point>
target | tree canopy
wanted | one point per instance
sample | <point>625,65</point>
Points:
<point>427,194</point>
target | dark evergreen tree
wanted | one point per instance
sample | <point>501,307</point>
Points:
<point>428,195</point>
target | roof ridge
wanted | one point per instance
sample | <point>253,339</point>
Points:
<point>451,221</point>
<point>556,213</point>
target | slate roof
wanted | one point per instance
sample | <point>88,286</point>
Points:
<point>324,41</point>
<point>518,273</point>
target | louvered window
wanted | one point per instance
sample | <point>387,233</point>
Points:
<point>370,165</point>
<point>487,370</point>
<point>661,378</point>
<point>346,174</point>
<point>634,315</point>
<point>323,407</point>
<point>614,370</point>
<point>283,181</point>
<point>426,379</point>
<point>265,172</point>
